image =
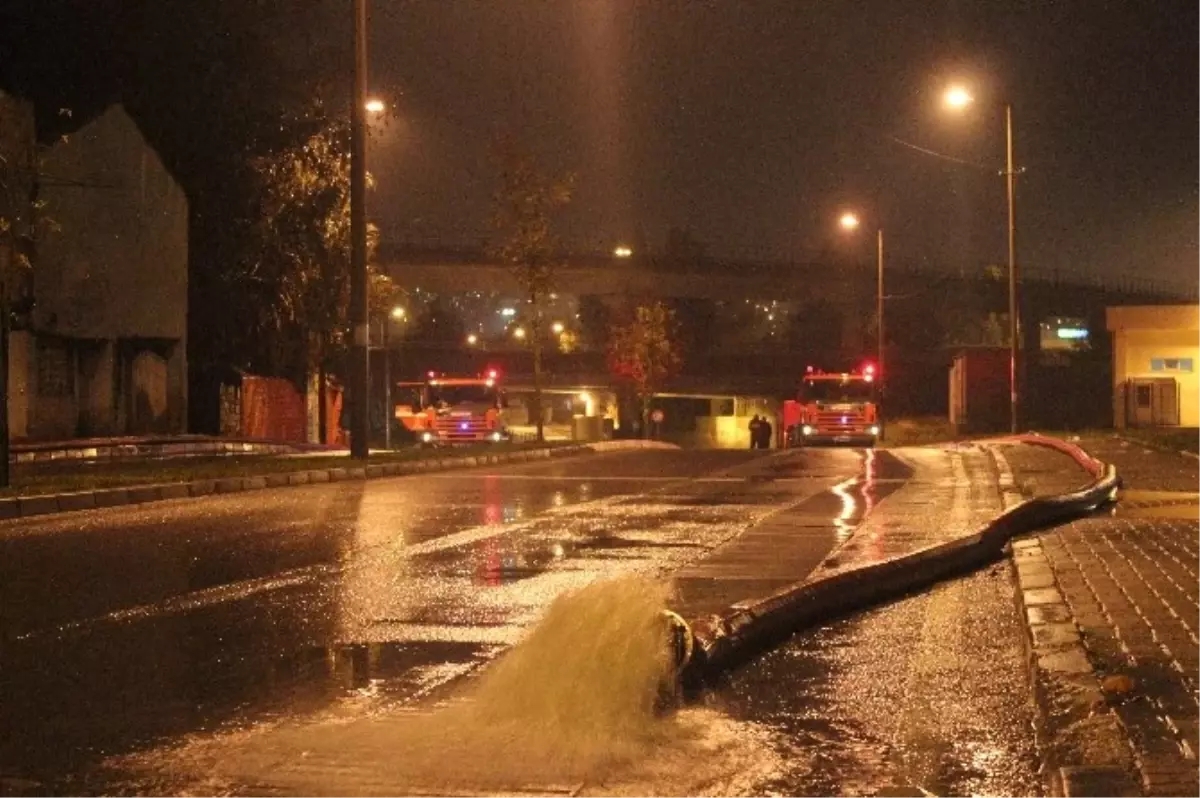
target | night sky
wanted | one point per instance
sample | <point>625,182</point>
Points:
<point>752,123</point>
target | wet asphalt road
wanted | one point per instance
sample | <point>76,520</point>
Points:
<point>129,628</point>
<point>924,696</point>
<point>130,631</point>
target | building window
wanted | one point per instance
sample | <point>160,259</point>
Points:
<point>55,376</point>
<point>1183,364</point>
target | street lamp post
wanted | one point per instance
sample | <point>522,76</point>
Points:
<point>1014,382</point>
<point>397,313</point>
<point>958,97</point>
<point>849,221</point>
<point>359,323</point>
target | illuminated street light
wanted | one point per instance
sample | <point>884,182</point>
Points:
<point>849,221</point>
<point>398,313</point>
<point>472,339</point>
<point>375,106</point>
<point>958,97</point>
<point>519,332</point>
<point>557,327</point>
<point>623,252</point>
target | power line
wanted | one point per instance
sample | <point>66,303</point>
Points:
<point>937,154</point>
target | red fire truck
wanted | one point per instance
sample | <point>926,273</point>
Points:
<point>443,409</point>
<point>834,407</point>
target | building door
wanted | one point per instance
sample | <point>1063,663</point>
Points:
<point>1152,402</point>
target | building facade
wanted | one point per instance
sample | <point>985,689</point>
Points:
<point>101,350</point>
<point>1156,354</point>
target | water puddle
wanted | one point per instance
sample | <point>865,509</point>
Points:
<point>1156,504</point>
<point>1188,510</point>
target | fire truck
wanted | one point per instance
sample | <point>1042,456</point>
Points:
<point>442,410</point>
<point>834,407</point>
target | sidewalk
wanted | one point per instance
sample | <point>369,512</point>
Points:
<point>1129,580</point>
<point>951,494</point>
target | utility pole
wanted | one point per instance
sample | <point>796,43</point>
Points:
<point>359,371</point>
<point>1014,365</point>
<point>388,412</point>
<point>879,306</point>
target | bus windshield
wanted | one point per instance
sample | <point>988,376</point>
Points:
<point>837,391</point>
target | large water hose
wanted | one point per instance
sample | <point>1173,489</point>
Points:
<point>682,642</point>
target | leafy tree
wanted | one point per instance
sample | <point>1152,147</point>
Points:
<point>21,223</point>
<point>643,353</point>
<point>16,180</point>
<point>522,211</point>
<point>298,255</point>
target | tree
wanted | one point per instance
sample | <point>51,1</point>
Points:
<point>299,255</point>
<point>643,353</point>
<point>20,224</point>
<point>522,208</point>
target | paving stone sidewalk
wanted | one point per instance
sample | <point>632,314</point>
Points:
<point>1129,580</point>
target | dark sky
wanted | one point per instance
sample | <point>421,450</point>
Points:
<point>754,122</point>
<point>750,122</point>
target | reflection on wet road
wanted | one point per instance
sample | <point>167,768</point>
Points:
<point>927,695</point>
<point>128,627</point>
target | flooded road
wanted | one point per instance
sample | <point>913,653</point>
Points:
<point>130,628</point>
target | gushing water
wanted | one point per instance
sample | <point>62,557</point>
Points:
<point>574,699</point>
<point>576,703</point>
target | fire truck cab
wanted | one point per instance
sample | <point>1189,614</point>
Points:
<point>840,407</point>
<point>442,410</point>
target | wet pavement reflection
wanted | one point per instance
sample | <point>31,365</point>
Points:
<point>129,628</point>
<point>927,695</point>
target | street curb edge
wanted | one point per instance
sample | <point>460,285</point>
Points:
<point>56,503</point>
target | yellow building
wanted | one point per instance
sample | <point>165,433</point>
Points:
<point>1156,357</point>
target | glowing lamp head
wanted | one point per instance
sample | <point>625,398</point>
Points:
<point>958,97</point>
<point>493,374</point>
<point>848,221</point>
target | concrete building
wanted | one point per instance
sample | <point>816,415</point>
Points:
<point>1156,354</point>
<point>102,350</point>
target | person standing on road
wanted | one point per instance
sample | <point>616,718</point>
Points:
<point>755,431</point>
<point>764,433</point>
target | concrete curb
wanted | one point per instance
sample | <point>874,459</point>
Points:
<point>1064,684</point>
<point>1067,690</point>
<point>723,642</point>
<point>161,447</point>
<point>53,503</point>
